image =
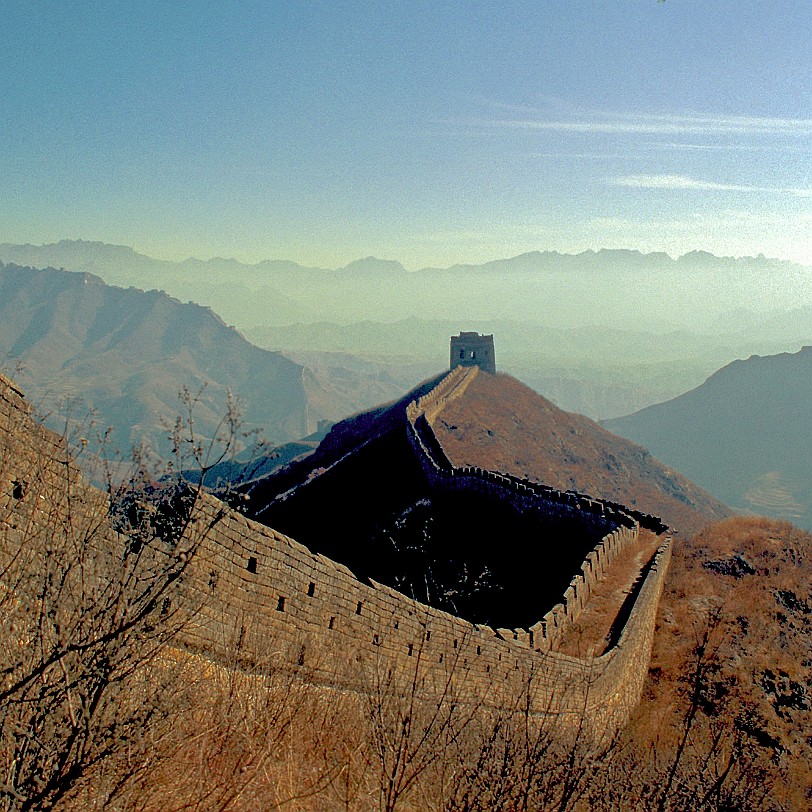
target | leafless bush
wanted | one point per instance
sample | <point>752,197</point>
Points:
<point>706,757</point>
<point>88,614</point>
<point>101,708</point>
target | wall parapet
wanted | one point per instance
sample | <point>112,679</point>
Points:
<point>340,628</point>
<point>275,603</point>
<point>622,523</point>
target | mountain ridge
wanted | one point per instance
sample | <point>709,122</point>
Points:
<point>745,430</point>
<point>129,352</point>
<point>79,248</point>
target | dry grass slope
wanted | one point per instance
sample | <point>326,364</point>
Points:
<point>500,424</point>
<point>741,590</point>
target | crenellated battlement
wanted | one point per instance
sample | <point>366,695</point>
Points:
<point>260,593</point>
<point>473,350</point>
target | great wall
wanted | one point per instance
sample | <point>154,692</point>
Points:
<point>258,593</point>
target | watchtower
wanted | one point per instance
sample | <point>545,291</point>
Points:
<point>473,350</point>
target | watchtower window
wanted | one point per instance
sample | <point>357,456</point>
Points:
<point>252,564</point>
<point>473,354</point>
<point>462,355</point>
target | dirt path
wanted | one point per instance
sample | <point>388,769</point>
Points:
<point>591,634</point>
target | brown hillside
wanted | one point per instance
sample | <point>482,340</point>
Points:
<point>745,583</point>
<point>172,729</point>
<point>501,424</point>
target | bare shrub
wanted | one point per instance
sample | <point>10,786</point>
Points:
<point>88,613</point>
<point>705,756</point>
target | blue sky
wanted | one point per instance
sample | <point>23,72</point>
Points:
<point>428,132</point>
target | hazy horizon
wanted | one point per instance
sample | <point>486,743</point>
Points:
<point>215,257</point>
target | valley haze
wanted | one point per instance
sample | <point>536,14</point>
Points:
<point>603,333</point>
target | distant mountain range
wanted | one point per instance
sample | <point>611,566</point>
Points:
<point>602,287</point>
<point>599,372</point>
<point>603,333</point>
<point>745,434</point>
<point>127,353</point>
<point>594,332</point>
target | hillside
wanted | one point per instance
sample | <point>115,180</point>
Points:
<point>503,425</point>
<point>127,353</point>
<point>741,591</point>
<point>743,434</point>
<point>340,384</point>
<point>209,728</point>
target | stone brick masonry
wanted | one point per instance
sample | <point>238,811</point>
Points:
<point>258,597</point>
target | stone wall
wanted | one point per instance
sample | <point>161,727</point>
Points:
<point>35,467</point>
<point>258,598</point>
<point>289,607</point>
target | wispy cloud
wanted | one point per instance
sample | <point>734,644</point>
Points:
<point>659,146</point>
<point>652,124</point>
<point>680,182</point>
<point>684,146</point>
<point>601,156</point>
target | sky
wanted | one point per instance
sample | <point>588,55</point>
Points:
<point>432,133</point>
